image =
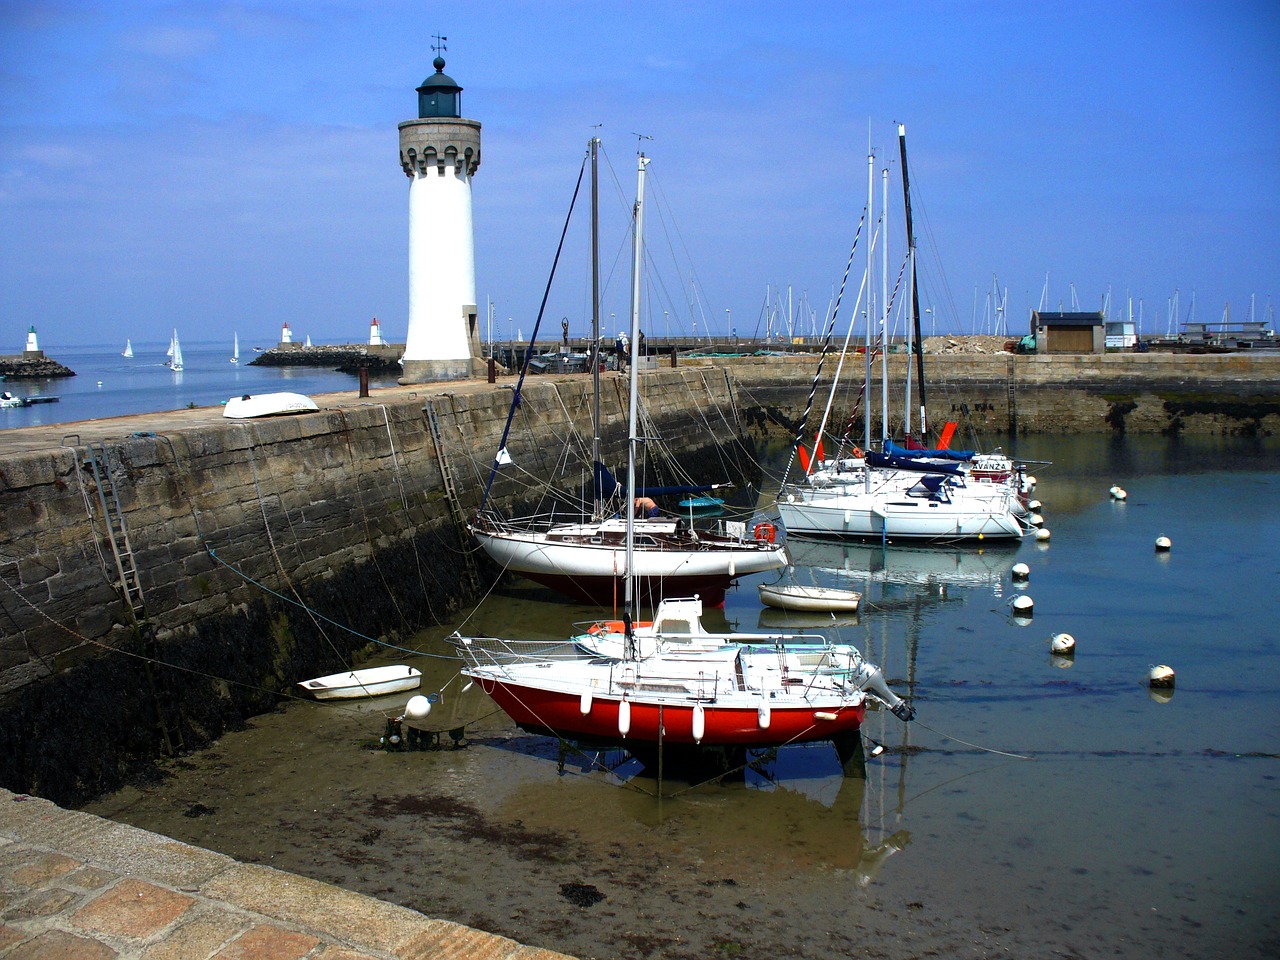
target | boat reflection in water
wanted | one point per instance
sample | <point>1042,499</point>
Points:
<point>896,564</point>
<point>777,814</point>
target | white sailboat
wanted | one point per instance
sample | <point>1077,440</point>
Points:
<point>881,495</point>
<point>128,349</point>
<point>175,353</point>
<point>678,687</point>
<point>584,559</point>
<point>235,348</point>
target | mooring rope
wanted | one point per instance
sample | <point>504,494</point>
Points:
<point>947,736</point>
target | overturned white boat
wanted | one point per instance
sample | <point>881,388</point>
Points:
<point>268,405</point>
<point>369,682</point>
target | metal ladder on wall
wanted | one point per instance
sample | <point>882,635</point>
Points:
<point>451,495</point>
<point>117,532</point>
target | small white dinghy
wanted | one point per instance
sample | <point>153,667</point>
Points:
<point>268,405</point>
<point>370,682</point>
<point>799,596</point>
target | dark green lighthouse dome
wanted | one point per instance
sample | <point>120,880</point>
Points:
<point>439,95</point>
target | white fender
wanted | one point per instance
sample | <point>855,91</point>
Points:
<point>624,717</point>
<point>699,723</point>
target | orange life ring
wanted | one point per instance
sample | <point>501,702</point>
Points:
<point>857,453</point>
<point>766,532</point>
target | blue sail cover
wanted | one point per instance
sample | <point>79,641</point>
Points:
<point>907,463</point>
<point>893,450</point>
<point>607,485</point>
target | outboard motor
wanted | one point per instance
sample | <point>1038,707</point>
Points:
<point>869,677</point>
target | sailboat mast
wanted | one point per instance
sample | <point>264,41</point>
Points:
<point>633,442</point>
<point>915,289</point>
<point>884,308</point>
<point>598,503</point>
<point>871,193</point>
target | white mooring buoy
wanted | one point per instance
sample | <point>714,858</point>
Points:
<point>1160,677</point>
<point>1022,605</point>
<point>1034,505</point>
<point>1118,493</point>
<point>1020,571</point>
<point>1163,543</point>
<point>1042,535</point>
<point>1063,644</point>
<point>1035,520</point>
<point>417,710</point>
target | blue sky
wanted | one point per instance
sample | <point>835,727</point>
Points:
<point>221,166</point>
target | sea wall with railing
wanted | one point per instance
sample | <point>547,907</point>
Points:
<point>165,577</point>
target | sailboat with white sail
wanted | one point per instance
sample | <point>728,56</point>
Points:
<point>235,347</point>
<point>127,353</point>
<point>683,688</point>
<point>583,559</point>
<point>174,353</point>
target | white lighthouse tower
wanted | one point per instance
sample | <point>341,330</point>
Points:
<point>439,153</point>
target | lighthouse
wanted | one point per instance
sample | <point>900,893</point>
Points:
<point>439,153</point>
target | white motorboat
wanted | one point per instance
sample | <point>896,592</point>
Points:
<point>268,405</point>
<point>809,597</point>
<point>369,682</point>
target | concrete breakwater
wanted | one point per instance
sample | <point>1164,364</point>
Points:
<point>163,577</point>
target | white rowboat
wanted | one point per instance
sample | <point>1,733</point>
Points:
<point>370,682</point>
<point>268,405</point>
<point>798,596</point>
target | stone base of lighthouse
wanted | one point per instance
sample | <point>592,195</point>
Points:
<point>429,371</point>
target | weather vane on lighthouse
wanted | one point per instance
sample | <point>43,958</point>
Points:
<point>440,44</point>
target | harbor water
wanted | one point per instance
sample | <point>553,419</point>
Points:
<point>1038,806</point>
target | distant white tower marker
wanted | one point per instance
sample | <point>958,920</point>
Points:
<point>375,333</point>
<point>286,335</point>
<point>33,346</point>
<point>439,153</point>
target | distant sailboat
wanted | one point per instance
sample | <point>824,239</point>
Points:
<point>175,353</point>
<point>308,343</point>
<point>235,349</point>
<point>128,349</point>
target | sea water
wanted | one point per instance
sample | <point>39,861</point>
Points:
<point>1038,806</point>
<point>108,384</point>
